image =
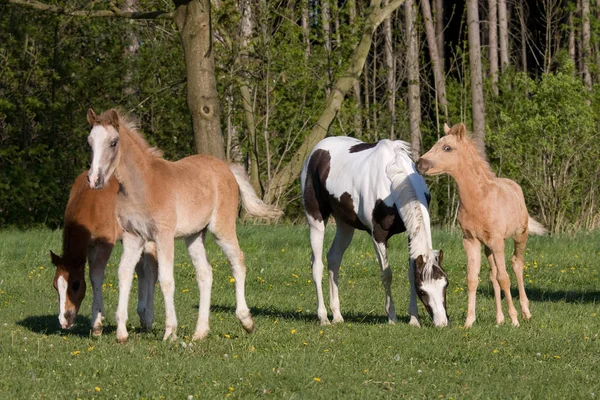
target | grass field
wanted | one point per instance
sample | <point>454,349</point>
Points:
<point>555,355</point>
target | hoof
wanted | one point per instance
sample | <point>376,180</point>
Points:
<point>200,334</point>
<point>122,340</point>
<point>249,327</point>
<point>337,320</point>
<point>515,323</point>
<point>170,334</point>
<point>97,331</point>
<point>414,321</point>
<point>324,322</point>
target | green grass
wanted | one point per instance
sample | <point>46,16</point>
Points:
<point>555,355</point>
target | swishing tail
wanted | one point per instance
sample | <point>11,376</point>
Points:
<point>408,191</point>
<point>251,202</point>
<point>535,228</point>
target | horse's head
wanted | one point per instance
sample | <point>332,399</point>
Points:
<point>431,287</point>
<point>444,156</point>
<point>104,142</point>
<point>69,282</point>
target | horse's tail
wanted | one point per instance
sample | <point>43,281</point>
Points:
<point>536,228</point>
<point>251,202</point>
<point>409,193</point>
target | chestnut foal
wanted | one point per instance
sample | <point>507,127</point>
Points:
<point>159,200</point>
<point>90,231</point>
<point>491,210</point>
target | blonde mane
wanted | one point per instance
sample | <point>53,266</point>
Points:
<point>476,149</point>
<point>131,125</point>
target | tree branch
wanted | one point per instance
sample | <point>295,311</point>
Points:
<point>114,12</point>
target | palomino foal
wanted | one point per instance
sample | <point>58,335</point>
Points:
<point>159,200</point>
<point>374,188</point>
<point>90,231</point>
<point>491,210</point>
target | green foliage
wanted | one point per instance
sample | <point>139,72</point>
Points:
<point>555,355</point>
<point>542,133</point>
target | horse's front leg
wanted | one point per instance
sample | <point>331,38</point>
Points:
<point>494,279</point>
<point>386,279</point>
<point>497,247</point>
<point>413,309</point>
<point>473,250</point>
<point>132,250</point>
<point>98,255</point>
<point>165,245</point>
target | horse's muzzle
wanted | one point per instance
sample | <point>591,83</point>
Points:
<point>423,165</point>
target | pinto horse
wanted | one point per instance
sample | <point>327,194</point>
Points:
<point>491,210</point>
<point>159,200</point>
<point>374,188</point>
<point>90,231</point>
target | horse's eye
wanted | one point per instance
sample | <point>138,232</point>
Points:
<point>113,143</point>
<point>75,286</point>
<point>447,148</point>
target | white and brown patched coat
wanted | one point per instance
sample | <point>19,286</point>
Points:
<point>372,187</point>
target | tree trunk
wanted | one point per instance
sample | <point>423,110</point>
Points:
<point>572,38</point>
<point>493,38</point>
<point>193,21</point>
<point>414,89</point>
<point>288,174</point>
<point>390,67</point>
<point>246,30</point>
<point>305,29</point>
<point>438,72</point>
<point>475,65</point>
<point>586,56</point>
<point>358,121</point>
<point>326,19</point>
<point>439,30</point>
<point>523,25</point>
<point>502,15</point>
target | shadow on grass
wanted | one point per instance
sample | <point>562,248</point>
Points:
<point>542,295</point>
<point>48,325</point>
<point>359,318</point>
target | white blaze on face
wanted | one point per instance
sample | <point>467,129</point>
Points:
<point>435,290</point>
<point>61,286</point>
<point>100,139</point>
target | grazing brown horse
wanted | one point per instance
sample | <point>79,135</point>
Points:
<point>90,231</point>
<point>491,210</point>
<point>159,200</point>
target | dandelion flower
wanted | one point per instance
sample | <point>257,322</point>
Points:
<point>97,388</point>
<point>317,379</point>
<point>76,352</point>
<point>293,331</point>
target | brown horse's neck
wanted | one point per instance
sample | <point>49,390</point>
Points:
<point>133,167</point>
<point>75,244</point>
<point>473,178</point>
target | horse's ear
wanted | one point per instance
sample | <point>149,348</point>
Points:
<point>91,117</point>
<point>419,265</point>
<point>56,260</point>
<point>446,128</point>
<point>461,131</point>
<point>113,118</point>
<point>440,257</point>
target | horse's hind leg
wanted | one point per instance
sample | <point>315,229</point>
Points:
<point>343,237</point>
<point>98,255</point>
<point>502,277</point>
<point>518,262</point>
<point>317,234</point>
<point>386,280</point>
<point>229,243</point>
<point>494,279</point>
<point>204,277</point>
<point>147,271</point>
